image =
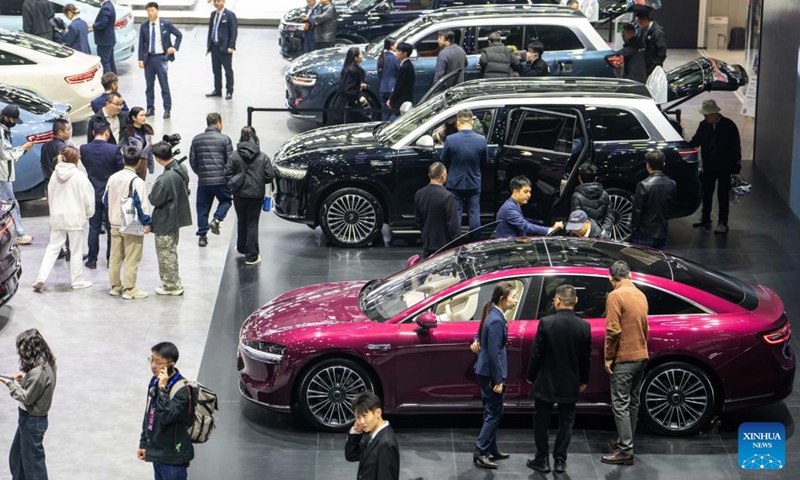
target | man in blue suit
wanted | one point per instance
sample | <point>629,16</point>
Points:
<point>155,50</point>
<point>104,36</point>
<point>512,222</point>
<point>101,160</point>
<point>223,28</point>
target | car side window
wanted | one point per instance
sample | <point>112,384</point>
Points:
<point>616,124</point>
<point>11,7</point>
<point>543,131</point>
<point>428,46</point>
<point>512,37</point>
<point>660,302</point>
<point>591,291</point>
<point>467,305</point>
<point>482,123</point>
<point>7,59</point>
<point>554,37</point>
<point>411,5</point>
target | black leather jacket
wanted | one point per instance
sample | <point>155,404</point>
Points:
<point>594,200</point>
<point>651,205</point>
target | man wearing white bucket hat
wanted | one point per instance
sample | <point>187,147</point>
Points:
<point>721,152</point>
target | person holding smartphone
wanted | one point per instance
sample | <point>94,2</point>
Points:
<point>165,440</point>
<point>33,389</point>
<point>492,371</point>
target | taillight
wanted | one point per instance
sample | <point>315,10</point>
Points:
<point>688,156</point>
<point>615,61</point>
<point>83,77</point>
<point>778,336</point>
<point>40,137</point>
<point>124,22</point>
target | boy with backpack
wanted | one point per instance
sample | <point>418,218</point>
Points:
<point>166,441</point>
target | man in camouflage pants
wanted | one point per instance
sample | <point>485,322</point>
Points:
<point>171,211</point>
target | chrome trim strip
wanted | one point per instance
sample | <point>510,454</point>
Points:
<point>744,399</point>
<point>282,408</point>
<point>478,405</point>
<point>271,358</point>
<point>384,347</point>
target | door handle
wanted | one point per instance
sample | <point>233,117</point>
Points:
<point>380,163</point>
<point>383,347</point>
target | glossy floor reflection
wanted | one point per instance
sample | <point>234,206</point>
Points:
<point>251,441</point>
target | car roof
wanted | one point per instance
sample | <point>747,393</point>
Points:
<point>548,86</point>
<point>490,10</point>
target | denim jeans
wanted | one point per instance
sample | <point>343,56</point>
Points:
<point>492,414</point>
<point>626,385</point>
<point>541,421</point>
<point>472,200</point>
<point>26,457</point>
<point>95,224</point>
<point>205,197</point>
<point>169,472</point>
<point>7,193</point>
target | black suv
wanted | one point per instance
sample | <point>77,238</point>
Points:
<point>352,179</point>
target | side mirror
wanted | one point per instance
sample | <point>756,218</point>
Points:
<point>425,141</point>
<point>406,106</point>
<point>426,321</point>
<point>412,261</point>
<point>414,54</point>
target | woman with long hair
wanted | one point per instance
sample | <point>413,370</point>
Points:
<point>248,172</point>
<point>349,104</point>
<point>492,371</point>
<point>71,198</point>
<point>33,389</point>
<point>137,128</point>
<point>388,67</point>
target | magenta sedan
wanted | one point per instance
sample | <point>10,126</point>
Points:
<point>716,344</point>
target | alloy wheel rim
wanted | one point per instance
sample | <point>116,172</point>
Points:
<point>331,393</point>
<point>677,399</point>
<point>622,212</point>
<point>351,218</point>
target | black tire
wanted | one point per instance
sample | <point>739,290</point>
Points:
<point>621,208</point>
<point>338,382</point>
<point>678,399</point>
<point>351,217</point>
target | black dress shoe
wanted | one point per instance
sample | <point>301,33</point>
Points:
<point>215,93</point>
<point>91,264</point>
<point>498,455</point>
<point>618,458</point>
<point>542,465</point>
<point>228,95</point>
<point>560,465</point>
<point>150,112</point>
<point>480,460</point>
<point>167,114</point>
<point>612,445</point>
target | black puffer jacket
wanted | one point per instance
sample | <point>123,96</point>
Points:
<point>498,61</point>
<point>594,200</point>
<point>208,156</point>
<point>258,170</point>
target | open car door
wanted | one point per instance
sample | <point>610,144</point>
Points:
<point>443,84</point>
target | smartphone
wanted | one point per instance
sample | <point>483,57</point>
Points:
<point>170,370</point>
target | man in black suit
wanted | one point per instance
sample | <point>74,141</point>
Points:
<point>404,86</point>
<point>371,441</point>
<point>435,212</point>
<point>111,115</point>
<point>155,50</point>
<point>558,369</point>
<point>223,28</point>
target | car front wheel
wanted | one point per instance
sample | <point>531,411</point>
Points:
<point>328,391</point>
<point>351,217</point>
<point>621,210</point>
<point>677,399</point>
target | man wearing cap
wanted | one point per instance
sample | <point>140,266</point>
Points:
<point>9,155</point>
<point>581,226</point>
<point>721,152</point>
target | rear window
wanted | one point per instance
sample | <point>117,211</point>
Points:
<point>554,37</point>
<point>25,100</point>
<point>713,282</point>
<point>602,255</point>
<point>615,124</point>
<point>35,43</point>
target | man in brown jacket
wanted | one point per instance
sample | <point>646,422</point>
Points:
<point>625,358</point>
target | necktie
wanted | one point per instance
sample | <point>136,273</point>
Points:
<point>153,38</point>
<point>216,28</point>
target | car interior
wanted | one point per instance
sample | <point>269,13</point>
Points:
<point>466,306</point>
<point>482,123</point>
<point>432,284</point>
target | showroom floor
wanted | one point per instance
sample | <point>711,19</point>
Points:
<point>102,345</point>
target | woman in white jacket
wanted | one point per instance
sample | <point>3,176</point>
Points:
<point>71,199</point>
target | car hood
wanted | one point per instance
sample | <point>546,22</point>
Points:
<point>315,306</point>
<point>329,139</point>
<point>330,59</point>
<point>702,75</point>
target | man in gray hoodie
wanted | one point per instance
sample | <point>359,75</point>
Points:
<point>170,200</point>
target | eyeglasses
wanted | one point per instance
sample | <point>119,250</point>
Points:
<point>116,104</point>
<point>153,361</point>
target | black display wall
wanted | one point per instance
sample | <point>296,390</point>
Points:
<point>680,21</point>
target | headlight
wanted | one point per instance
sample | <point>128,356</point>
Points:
<point>264,351</point>
<point>304,79</point>
<point>292,173</point>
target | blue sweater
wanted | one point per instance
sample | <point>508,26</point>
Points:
<point>513,223</point>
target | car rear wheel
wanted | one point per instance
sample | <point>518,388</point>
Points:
<point>328,391</point>
<point>677,399</point>
<point>621,210</point>
<point>351,217</point>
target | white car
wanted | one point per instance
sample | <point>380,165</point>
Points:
<point>51,70</point>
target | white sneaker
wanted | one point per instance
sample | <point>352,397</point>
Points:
<point>115,291</point>
<point>175,293</point>
<point>254,262</point>
<point>134,294</point>
<point>80,285</point>
<point>24,239</point>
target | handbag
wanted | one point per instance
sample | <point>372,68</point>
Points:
<point>131,225</point>
<point>267,206</point>
<point>236,182</point>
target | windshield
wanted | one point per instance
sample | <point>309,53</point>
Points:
<point>409,287</point>
<point>402,34</point>
<point>392,132</point>
<point>35,43</point>
<point>361,5</point>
